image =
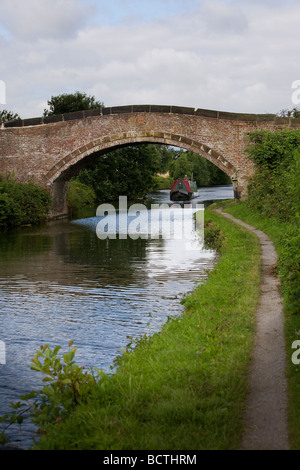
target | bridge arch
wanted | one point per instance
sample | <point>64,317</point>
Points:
<point>58,176</point>
<point>48,150</point>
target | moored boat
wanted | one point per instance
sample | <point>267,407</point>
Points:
<point>183,190</point>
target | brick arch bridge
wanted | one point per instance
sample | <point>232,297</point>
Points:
<point>50,150</point>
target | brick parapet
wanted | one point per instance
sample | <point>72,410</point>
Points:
<point>130,109</point>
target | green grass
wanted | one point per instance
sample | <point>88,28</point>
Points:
<point>184,387</point>
<point>287,249</point>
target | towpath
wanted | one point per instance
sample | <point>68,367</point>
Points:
<point>266,426</point>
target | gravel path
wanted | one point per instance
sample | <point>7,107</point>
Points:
<point>266,425</point>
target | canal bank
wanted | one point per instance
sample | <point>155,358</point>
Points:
<point>186,385</point>
<point>60,282</point>
<point>276,435</point>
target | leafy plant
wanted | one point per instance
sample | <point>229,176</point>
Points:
<point>68,385</point>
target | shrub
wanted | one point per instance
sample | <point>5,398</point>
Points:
<point>79,195</point>
<point>289,268</point>
<point>10,211</point>
<point>269,150</point>
<point>213,236</point>
<point>22,204</point>
<point>275,193</point>
<point>67,385</point>
<point>274,189</point>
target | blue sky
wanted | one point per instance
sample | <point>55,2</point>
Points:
<point>115,12</point>
<point>237,55</point>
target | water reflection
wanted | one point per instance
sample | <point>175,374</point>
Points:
<point>61,282</point>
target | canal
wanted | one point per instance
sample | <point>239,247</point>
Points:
<point>61,282</point>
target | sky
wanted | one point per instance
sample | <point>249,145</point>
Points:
<point>226,55</point>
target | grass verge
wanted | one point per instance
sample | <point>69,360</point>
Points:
<point>285,237</point>
<point>184,387</point>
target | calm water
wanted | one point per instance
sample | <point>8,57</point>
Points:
<point>60,282</point>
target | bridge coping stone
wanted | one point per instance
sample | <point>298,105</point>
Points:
<point>224,115</point>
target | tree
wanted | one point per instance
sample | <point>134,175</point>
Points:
<point>128,171</point>
<point>165,155</point>
<point>6,116</point>
<point>181,166</point>
<point>193,165</point>
<point>70,102</point>
<point>294,113</point>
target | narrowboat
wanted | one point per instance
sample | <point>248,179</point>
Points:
<point>183,190</point>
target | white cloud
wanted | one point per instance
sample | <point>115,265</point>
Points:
<point>239,55</point>
<point>220,17</point>
<point>36,19</point>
